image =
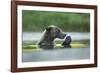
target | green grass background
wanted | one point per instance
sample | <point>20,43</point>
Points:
<point>34,21</point>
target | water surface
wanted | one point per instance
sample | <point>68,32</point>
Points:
<point>32,36</point>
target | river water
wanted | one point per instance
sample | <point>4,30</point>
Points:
<point>53,55</point>
<point>34,36</point>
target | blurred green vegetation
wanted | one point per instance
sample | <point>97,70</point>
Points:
<point>32,46</point>
<point>38,20</point>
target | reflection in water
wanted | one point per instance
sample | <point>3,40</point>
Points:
<point>53,55</point>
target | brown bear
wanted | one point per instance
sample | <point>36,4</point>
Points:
<point>50,34</point>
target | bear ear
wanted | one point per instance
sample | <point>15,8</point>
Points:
<point>48,28</point>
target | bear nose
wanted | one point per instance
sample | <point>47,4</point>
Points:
<point>64,36</point>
